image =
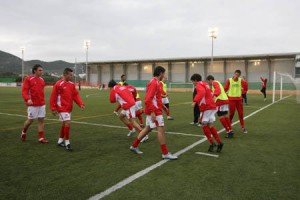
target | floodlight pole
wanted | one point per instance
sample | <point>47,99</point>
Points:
<point>212,33</point>
<point>75,67</point>
<point>87,44</point>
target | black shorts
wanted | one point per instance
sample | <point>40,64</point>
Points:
<point>222,113</point>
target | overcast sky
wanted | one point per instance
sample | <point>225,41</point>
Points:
<point>137,29</point>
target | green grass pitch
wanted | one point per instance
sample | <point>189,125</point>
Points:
<point>263,164</point>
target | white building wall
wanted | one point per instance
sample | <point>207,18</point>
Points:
<point>118,71</point>
<point>178,72</point>
<point>132,71</point>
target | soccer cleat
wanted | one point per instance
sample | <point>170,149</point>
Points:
<point>169,156</point>
<point>68,147</point>
<point>145,138</point>
<point>42,140</point>
<point>229,135</point>
<point>244,130</point>
<point>62,144</point>
<point>23,136</point>
<point>193,123</point>
<point>135,150</point>
<point>219,147</point>
<point>131,133</point>
<point>211,147</point>
<point>170,118</point>
<point>116,113</point>
<point>199,125</point>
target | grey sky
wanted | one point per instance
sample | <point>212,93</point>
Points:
<point>136,29</point>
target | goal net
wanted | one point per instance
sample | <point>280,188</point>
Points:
<point>181,87</point>
<point>285,85</point>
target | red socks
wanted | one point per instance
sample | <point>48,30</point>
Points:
<point>136,143</point>
<point>225,124</point>
<point>67,132</point>
<point>207,132</point>
<point>41,134</point>
<point>130,127</point>
<point>214,132</point>
<point>164,149</point>
<point>24,130</point>
<point>228,122</point>
<point>62,133</point>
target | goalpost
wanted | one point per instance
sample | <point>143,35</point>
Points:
<point>284,84</point>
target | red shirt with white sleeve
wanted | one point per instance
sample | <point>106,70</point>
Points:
<point>123,96</point>
<point>153,99</point>
<point>33,88</point>
<point>204,97</point>
<point>62,96</point>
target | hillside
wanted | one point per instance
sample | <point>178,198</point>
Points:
<point>13,64</point>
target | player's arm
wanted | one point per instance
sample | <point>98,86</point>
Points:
<point>217,90</point>
<point>77,98</point>
<point>112,96</point>
<point>227,84</point>
<point>245,85</point>
<point>25,91</point>
<point>199,95</point>
<point>151,90</point>
<point>53,100</point>
<point>262,79</point>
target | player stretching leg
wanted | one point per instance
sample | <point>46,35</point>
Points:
<point>154,118</point>
<point>63,94</point>
<point>33,95</point>
<point>207,107</point>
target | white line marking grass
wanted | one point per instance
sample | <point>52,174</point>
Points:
<point>160,163</point>
<point>207,154</point>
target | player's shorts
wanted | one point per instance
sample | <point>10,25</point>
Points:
<point>34,112</point>
<point>159,121</point>
<point>222,110</point>
<point>64,116</point>
<point>165,100</point>
<point>138,105</point>
<point>130,113</point>
<point>208,116</point>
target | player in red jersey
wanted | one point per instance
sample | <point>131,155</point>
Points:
<point>153,111</point>
<point>222,104</point>
<point>63,94</point>
<point>121,83</point>
<point>264,87</point>
<point>125,98</point>
<point>233,87</point>
<point>204,99</point>
<point>33,95</point>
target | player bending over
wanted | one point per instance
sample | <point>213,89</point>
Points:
<point>125,98</point>
<point>33,95</point>
<point>121,83</point>
<point>63,94</point>
<point>207,107</point>
<point>154,118</point>
<point>222,102</point>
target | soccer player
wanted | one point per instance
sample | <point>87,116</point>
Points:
<point>125,98</point>
<point>233,87</point>
<point>264,87</point>
<point>138,104</point>
<point>154,117</point>
<point>33,95</point>
<point>244,90</point>
<point>165,99</point>
<point>63,94</point>
<point>196,112</point>
<point>122,82</point>
<point>207,107</point>
<point>222,102</point>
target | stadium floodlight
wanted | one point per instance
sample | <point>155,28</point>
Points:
<point>86,45</point>
<point>22,50</point>
<point>212,33</point>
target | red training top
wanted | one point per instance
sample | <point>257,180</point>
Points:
<point>33,88</point>
<point>62,96</point>
<point>264,82</point>
<point>204,97</point>
<point>153,102</point>
<point>244,87</point>
<point>122,95</point>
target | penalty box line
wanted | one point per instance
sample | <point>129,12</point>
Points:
<point>105,125</point>
<point>145,171</point>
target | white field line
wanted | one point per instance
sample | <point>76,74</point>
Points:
<point>141,173</point>
<point>106,125</point>
<point>207,154</point>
